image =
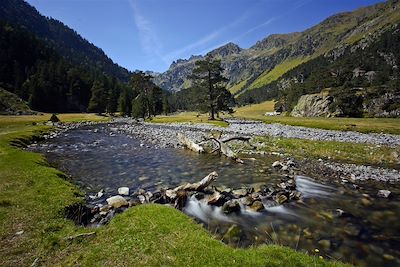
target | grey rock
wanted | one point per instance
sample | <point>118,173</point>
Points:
<point>384,193</point>
<point>240,192</point>
<point>117,201</point>
<point>123,191</point>
<point>277,164</point>
<point>257,206</point>
<point>231,206</point>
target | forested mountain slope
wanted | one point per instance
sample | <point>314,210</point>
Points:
<point>51,66</point>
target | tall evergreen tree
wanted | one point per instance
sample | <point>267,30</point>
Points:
<point>148,97</point>
<point>98,100</point>
<point>208,76</point>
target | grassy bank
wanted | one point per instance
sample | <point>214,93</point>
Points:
<point>334,151</point>
<point>363,125</point>
<point>32,228</point>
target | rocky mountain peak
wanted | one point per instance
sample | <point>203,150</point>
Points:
<point>275,41</point>
<point>225,50</point>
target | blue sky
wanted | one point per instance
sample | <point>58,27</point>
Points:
<point>150,34</point>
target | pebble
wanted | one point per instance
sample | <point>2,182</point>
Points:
<point>277,164</point>
<point>366,202</point>
<point>123,191</point>
<point>384,193</point>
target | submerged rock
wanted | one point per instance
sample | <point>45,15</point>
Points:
<point>233,234</point>
<point>324,244</point>
<point>384,193</point>
<point>257,206</point>
<point>281,199</point>
<point>117,201</point>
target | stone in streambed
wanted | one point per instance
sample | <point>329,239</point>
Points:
<point>142,199</point>
<point>240,192</point>
<point>324,244</point>
<point>231,206</point>
<point>257,206</point>
<point>123,191</point>
<point>281,199</point>
<point>388,257</point>
<point>233,234</point>
<point>366,202</point>
<point>351,230</point>
<point>170,193</point>
<point>215,199</point>
<point>277,164</point>
<point>384,193</point>
<point>117,201</point>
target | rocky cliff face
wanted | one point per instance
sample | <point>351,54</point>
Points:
<point>313,105</point>
<point>387,105</point>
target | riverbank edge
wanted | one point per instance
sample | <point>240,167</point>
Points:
<point>33,229</point>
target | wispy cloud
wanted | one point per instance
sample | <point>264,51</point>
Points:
<point>297,5</point>
<point>199,44</point>
<point>265,23</point>
<point>148,38</point>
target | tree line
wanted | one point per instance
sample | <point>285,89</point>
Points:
<point>49,82</point>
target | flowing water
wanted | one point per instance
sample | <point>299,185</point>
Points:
<point>342,222</point>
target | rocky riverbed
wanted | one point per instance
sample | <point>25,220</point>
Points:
<point>164,135</point>
<point>347,211</point>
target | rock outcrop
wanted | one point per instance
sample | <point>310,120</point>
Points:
<point>11,104</point>
<point>313,105</point>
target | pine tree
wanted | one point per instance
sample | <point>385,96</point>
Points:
<point>98,99</point>
<point>148,97</point>
<point>208,76</point>
<point>138,107</point>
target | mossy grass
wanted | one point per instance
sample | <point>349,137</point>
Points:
<point>188,117</point>
<point>341,152</point>
<point>33,229</point>
<point>363,125</point>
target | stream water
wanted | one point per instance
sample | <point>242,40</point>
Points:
<point>343,223</point>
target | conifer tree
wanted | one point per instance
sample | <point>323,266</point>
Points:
<point>98,100</point>
<point>207,76</point>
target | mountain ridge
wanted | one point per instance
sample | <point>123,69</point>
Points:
<point>274,55</point>
<point>64,39</point>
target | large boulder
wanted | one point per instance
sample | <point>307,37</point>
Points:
<point>313,105</point>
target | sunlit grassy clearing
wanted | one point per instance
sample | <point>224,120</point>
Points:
<point>255,111</point>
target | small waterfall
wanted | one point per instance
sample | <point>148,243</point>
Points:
<point>309,188</point>
<point>204,212</point>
